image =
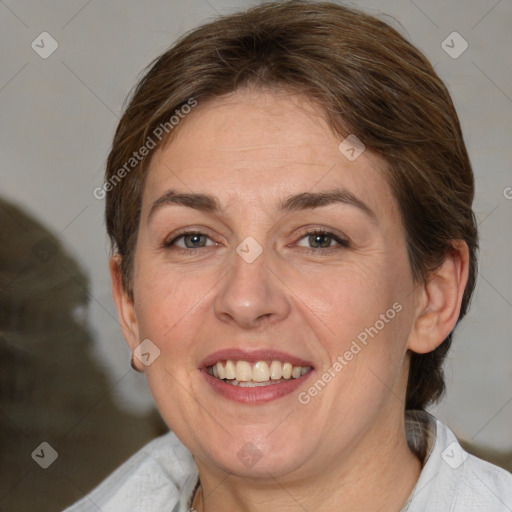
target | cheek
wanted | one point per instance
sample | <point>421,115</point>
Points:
<point>168,306</point>
<point>360,314</point>
<point>170,310</point>
<point>347,299</point>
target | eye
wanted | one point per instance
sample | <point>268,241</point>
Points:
<point>190,241</point>
<point>322,240</point>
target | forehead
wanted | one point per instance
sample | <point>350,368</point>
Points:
<point>258,146</point>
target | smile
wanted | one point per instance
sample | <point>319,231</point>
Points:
<point>260,373</point>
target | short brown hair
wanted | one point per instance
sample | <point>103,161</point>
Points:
<point>368,79</point>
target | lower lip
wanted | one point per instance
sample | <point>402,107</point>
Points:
<point>259,394</point>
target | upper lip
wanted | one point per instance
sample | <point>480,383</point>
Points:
<point>251,356</point>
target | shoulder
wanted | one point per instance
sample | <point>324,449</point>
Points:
<point>152,479</point>
<point>453,480</point>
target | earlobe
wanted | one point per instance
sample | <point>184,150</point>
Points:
<point>441,298</point>
<point>124,304</point>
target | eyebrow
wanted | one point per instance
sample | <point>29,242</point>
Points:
<point>303,201</point>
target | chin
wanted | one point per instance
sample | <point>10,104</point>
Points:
<point>262,460</point>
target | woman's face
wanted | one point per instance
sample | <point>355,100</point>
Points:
<point>297,258</point>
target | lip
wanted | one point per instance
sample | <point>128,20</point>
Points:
<point>260,394</point>
<point>256,395</point>
<point>251,356</point>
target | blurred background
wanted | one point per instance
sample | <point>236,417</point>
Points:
<point>65,376</point>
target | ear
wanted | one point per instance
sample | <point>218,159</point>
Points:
<point>440,300</point>
<point>124,305</point>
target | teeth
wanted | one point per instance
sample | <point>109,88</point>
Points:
<point>287,370</point>
<point>229,370</point>
<point>276,370</point>
<point>256,384</point>
<point>261,373</point>
<point>296,372</point>
<point>220,371</point>
<point>243,371</point>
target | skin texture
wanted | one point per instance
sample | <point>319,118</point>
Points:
<point>346,449</point>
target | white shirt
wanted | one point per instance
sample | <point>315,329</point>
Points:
<point>161,477</point>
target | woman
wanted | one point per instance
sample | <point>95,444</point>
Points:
<point>289,203</point>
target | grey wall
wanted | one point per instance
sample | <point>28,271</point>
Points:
<point>59,114</point>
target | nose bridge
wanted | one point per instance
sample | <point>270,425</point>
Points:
<point>251,294</point>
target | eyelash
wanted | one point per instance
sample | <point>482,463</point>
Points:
<point>343,243</point>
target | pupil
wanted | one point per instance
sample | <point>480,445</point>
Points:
<point>320,239</point>
<point>192,241</point>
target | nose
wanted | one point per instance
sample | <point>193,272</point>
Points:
<point>252,295</point>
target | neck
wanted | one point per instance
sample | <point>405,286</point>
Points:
<point>378,474</point>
